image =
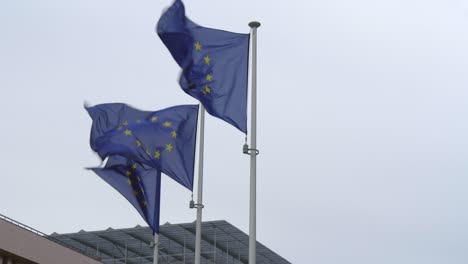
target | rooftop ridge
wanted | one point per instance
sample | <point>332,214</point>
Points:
<point>41,234</point>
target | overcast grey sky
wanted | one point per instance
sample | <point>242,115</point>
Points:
<point>361,125</point>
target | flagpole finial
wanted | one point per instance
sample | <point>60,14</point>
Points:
<point>254,24</point>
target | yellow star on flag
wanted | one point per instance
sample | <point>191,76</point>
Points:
<point>207,59</point>
<point>174,134</point>
<point>157,154</point>
<point>209,77</point>
<point>154,119</point>
<point>198,46</point>
<point>148,152</point>
<point>144,203</point>
<point>169,147</point>
<point>128,132</point>
<point>129,173</point>
<point>167,124</point>
<point>134,166</point>
<point>207,89</point>
<point>138,143</point>
<point>129,181</point>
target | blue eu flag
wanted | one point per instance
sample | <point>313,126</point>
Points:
<point>138,183</point>
<point>214,64</point>
<point>164,140</point>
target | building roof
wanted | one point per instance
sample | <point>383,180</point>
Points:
<point>221,243</point>
<point>20,243</point>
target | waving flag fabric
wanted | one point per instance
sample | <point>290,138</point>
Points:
<point>163,140</point>
<point>138,183</point>
<point>214,64</point>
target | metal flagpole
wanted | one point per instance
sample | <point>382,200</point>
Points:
<point>199,204</point>
<point>156,248</point>
<point>158,202</point>
<point>253,150</point>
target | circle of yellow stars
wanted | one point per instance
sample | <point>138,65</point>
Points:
<point>157,154</point>
<point>129,181</point>
<point>209,77</point>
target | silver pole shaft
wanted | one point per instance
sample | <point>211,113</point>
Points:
<point>156,249</point>
<point>200,186</point>
<point>253,153</point>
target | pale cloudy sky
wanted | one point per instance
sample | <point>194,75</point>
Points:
<point>362,122</point>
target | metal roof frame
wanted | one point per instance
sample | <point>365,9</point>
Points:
<point>221,243</point>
